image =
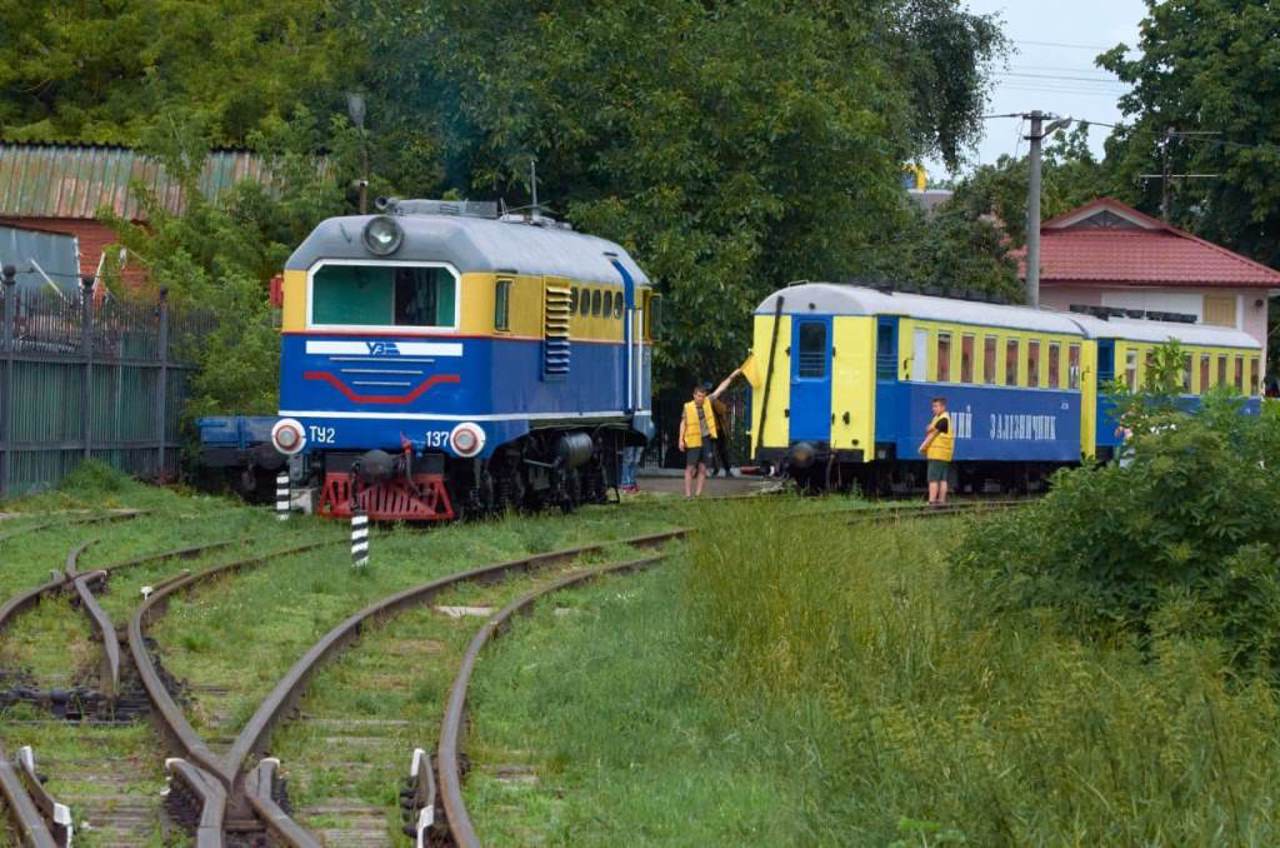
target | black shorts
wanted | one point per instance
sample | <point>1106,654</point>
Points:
<point>693,457</point>
<point>939,471</point>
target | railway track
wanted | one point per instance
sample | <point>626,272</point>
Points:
<point>435,801</point>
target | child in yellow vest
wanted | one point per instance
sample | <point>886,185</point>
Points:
<point>698,433</point>
<point>938,447</point>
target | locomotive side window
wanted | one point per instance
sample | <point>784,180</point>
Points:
<point>1011,362</point>
<point>383,296</point>
<point>966,359</point>
<point>1033,363</point>
<point>596,298</point>
<point>573,299</point>
<point>813,350</point>
<point>584,302</point>
<point>1204,372</point>
<point>617,305</point>
<point>1073,366</point>
<point>502,305</point>
<point>944,357</point>
<point>607,309</point>
<point>989,360</point>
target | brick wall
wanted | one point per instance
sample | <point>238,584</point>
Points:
<point>93,237</point>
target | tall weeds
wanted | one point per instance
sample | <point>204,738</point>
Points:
<point>926,719</point>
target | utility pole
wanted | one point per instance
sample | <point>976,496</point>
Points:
<point>1166,184</point>
<point>1038,133</point>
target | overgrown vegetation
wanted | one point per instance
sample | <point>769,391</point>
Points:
<point>1180,540</point>
<point>848,677</point>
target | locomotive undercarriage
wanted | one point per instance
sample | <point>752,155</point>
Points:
<point>551,467</point>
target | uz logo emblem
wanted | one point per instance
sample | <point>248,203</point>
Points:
<point>383,349</point>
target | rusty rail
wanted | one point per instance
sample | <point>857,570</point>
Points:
<point>212,798</point>
<point>32,829</point>
<point>56,814</point>
<point>121,515</point>
<point>290,688</point>
<point>455,809</point>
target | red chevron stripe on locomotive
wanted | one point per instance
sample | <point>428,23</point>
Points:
<point>355,397</point>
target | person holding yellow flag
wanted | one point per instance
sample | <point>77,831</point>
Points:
<point>698,433</point>
<point>938,447</point>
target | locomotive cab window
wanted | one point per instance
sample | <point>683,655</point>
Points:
<point>812,361</point>
<point>383,296</point>
<point>502,305</point>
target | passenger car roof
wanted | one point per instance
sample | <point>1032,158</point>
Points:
<point>842,299</point>
<point>845,299</point>
<point>472,244</point>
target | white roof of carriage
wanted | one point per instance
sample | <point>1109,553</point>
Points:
<point>844,299</point>
<point>1162,331</point>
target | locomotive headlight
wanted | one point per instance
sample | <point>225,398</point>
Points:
<point>467,439</point>
<point>287,436</point>
<point>382,235</point>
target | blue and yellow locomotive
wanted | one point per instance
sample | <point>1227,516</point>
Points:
<point>844,375</point>
<point>442,358</point>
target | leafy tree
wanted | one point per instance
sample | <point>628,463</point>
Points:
<point>1206,66</point>
<point>107,71</point>
<point>218,255</point>
<point>732,146</point>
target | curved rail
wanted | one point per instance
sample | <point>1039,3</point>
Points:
<point>179,732</point>
<point>289,689</point>
<point>121,515</point>
<point>30,826</point>
<point>450,772</point>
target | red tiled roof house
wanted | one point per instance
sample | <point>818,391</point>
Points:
<point>1108,254</point>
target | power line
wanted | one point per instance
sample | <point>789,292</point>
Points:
<point>1065,44</point>
<point>1031,75</point>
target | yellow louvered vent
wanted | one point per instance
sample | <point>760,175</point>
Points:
<point>555,330</point>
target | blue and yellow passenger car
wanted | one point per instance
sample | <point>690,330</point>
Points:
<point>846,374</point>
<point>441,356</point>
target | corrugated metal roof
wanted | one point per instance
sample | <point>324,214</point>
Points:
<point>69,181</point>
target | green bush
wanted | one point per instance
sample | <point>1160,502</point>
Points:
<point>1181,541</point>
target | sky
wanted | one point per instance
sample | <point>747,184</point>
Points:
<point>1051,67</point>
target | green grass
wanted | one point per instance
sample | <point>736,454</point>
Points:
<point>790,686</point>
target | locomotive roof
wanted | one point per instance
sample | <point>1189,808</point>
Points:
<point>472,244</point>
<point>844,299</point>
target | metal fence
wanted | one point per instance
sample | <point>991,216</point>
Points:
<point>80,380</point>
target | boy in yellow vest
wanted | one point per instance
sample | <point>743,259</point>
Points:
<point>698,433</point>
<point>938,447</point>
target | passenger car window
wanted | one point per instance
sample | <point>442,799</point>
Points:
<point>1131,369</point>
<point>966,359</point>
<point>1073,366</point>
<point>989,360</point>
<point>1055,364</point>
<point>1204,372</point>
<point>383,296</point>
<point>502,305</point>
<point>944,357</point>
<point>573,299</point>
<point>812,361</point>
<point>1253,375</point>
<point>1033,363</point>
<point>1011,362</point>
<point>1240,373</point>
<point>1186,374</point>
<point>1222,370</point>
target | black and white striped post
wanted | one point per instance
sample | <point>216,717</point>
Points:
<point>359,539</point>
<point>282,497</point>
